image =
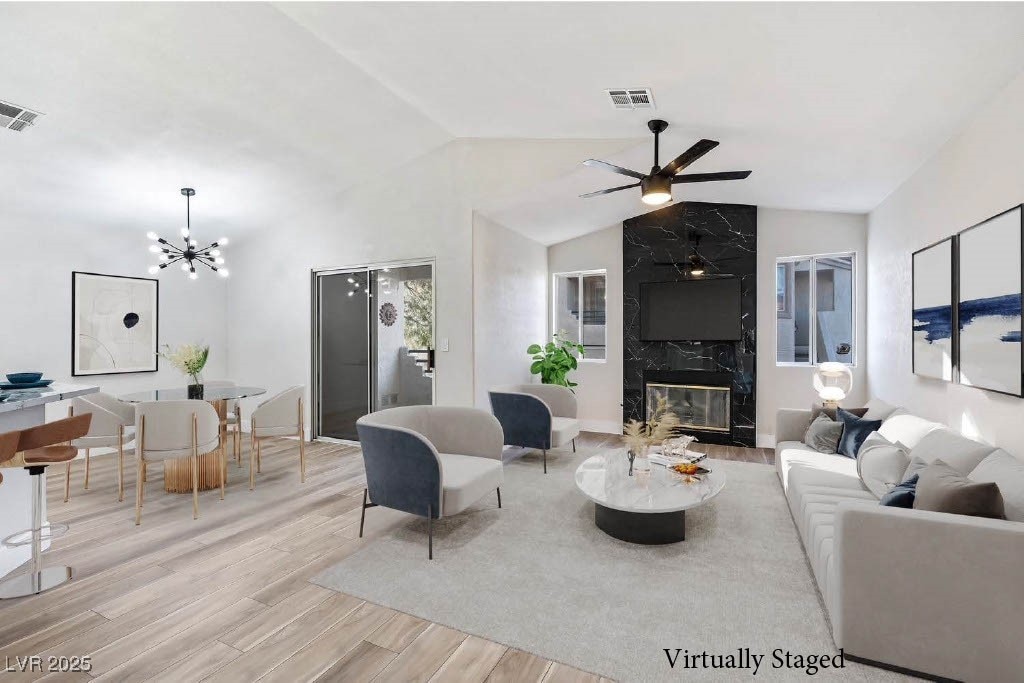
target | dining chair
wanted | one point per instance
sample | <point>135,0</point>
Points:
<point>176,429</point>
<point>112,426</point>
<point>281,415</point>
<point>233,418</point>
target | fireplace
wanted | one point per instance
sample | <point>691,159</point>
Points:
<point>699,407</point>
<point>701,399</point>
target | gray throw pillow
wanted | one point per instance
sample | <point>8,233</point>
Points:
<point>916,466</point>
<point>823,434</point>
<point>941,488</point>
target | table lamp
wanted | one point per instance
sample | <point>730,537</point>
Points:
<point>833,381</point>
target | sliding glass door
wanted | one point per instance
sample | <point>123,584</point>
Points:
<point>373,343</point>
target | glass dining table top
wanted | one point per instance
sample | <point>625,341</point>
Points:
<point>210,393</point>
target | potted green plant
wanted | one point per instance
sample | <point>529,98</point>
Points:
<point>190,359</point>
<point>555,360</point>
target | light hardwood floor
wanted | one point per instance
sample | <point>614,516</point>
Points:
<point>227,598</point>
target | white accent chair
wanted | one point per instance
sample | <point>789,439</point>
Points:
<point>539,416</point>
<point>281,415</point>
<point>112,426</point>
<point>232,418</point>
<point>176,429</point>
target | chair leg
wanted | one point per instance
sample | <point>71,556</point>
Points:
<point>195,467</point>
<point>138,492</point>
<point>223,471</point>
<point>302,457</point>
<point>430,532</point>
<point>545,461</point>
<point>86,486</point>
<point>67,481</point>
<point>259,457</point>
<point>362,515</point>
<point>499,497</point>
<point>120,468</point>
<point>574,445</point>
<point>252,465</point>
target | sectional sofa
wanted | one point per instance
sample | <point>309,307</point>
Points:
<point>928,592</point>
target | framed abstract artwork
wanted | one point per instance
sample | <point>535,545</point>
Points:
<point>934,341</point>
<point>114,324</point>
<point>989,303</point>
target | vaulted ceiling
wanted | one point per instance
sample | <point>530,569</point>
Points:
<point>832,105</point>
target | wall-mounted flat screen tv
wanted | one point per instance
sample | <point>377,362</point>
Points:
<point>690,310</point>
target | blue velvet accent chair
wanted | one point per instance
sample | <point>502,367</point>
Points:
<point>540,416</point>
<point>430,461</point>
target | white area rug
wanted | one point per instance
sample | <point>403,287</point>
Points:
<point>540,576</point>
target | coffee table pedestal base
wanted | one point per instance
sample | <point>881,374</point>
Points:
<point>648,528</point>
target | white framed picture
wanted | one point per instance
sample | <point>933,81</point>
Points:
<point>989,304</point>
<point>114,324</point>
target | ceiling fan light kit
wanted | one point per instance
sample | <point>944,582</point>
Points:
<point>656,186</point>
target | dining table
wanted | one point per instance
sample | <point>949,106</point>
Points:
<point>178,471</point>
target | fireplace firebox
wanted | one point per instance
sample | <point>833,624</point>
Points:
<point>699,407</point>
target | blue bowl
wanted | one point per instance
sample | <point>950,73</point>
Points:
<point>24,377</point>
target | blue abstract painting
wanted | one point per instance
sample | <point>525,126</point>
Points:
<point>989,305</point>
<point>933,311</point>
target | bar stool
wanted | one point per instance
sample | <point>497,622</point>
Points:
<point>38,448</point>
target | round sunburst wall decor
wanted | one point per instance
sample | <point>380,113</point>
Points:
<point>388,314</point>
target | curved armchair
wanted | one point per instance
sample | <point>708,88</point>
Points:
<point>111,426</point>
<point>541,416</point>
<point>232,417</point>
<point>281,415</point>
<point>430,461</point>
<point>176,429</point>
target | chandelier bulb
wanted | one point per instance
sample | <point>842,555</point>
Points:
<point>215,252</point>
<point>184,267</point>
<point>154,249</point>
<point>218,261</point>
<point>153,270</point>
<point>193,275</point>
<point>184,232</point>
<point>222,241</point>
<point>152,235</point>
<point>223,272</point>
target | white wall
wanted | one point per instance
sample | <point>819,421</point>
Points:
<point>41,251</point>
<point>975,175</point>
<point>802,233</point>
<point>600,383</point>
<point>510,274</point>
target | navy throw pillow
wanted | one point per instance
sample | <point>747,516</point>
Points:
<point>901,495</point>
<point>855,430</point>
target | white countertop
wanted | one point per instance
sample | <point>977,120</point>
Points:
<point>29,398</point>
<point>604,479</point>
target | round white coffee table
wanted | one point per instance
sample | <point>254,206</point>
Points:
<point>648,508</point>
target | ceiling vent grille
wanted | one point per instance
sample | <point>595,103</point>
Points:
<point>631,98</point>
<point>16,118</point>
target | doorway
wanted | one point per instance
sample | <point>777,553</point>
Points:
<point>373,343</point>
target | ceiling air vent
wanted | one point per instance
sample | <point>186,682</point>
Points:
<point>16,118</point>
<point>631,98</point>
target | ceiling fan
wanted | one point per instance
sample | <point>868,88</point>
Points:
<point>695,264</point>
<point>656,186</point>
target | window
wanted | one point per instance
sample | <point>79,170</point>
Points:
<point>815,298</point>
<point>578,310</point>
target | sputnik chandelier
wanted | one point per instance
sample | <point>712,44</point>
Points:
<point>168,253</point>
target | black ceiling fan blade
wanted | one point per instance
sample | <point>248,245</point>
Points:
<point>691,155</point>
<point>708,177</point>
<point>610,189</point>
<point>597,163</point>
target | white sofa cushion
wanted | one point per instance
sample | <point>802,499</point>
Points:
<point>466,479</point>
<point>878,410</point>
<point>1008,472</point>
<point>881,466</point>
<point>906,429</point>
<point>563,430</point>
<point>957,451</point>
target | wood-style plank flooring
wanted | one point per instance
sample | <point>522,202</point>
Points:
<point>227,598</point>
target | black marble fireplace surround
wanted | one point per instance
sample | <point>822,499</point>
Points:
<point>654,249</point>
